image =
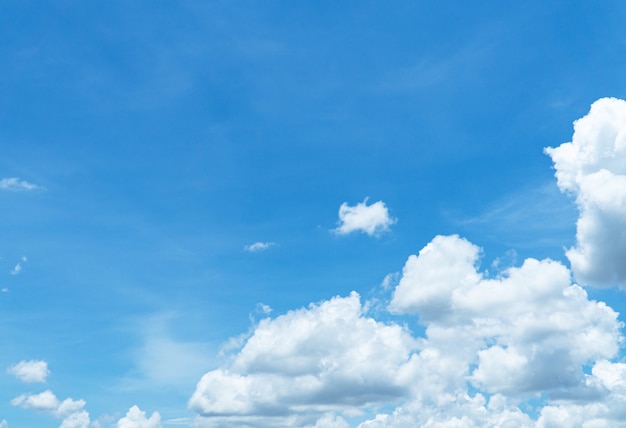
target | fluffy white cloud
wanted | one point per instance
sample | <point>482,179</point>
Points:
<point>529,330</point>
<point>30,371</point>
<point>525,348</point>
<point>296,368</point>
<point>371,219</point>
<point>4,424</point>
<point>258,246</point>
<point>14,184</point>
<point>136,418</point>
<point>70,411</point>
<point>592,167</point>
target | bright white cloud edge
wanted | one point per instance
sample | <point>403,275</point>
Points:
<point>490,343</point>
<point>33,371</point>
<point>371,219</point>
<point>592,168</point>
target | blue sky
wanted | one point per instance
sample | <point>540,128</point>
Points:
<point>147,147</point>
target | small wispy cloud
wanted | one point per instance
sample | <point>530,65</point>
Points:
<point>19,266</point>
<point>14,184</point>
<point>258,246</point>
<point>34,371</point>
<point>370,219</point>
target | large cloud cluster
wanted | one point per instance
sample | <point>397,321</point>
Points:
<point>304,364</point>
<point>525,348</point>
<point>490,344</point>
<point>592,167</point>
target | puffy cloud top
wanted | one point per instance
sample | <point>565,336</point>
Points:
<point>592,167</point>
<point>30,371</point>
<point>136,418</point>
<point>307,362</point>
<point>69,410</point>
<point>371,219</point>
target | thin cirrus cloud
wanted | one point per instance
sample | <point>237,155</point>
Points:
<point>34,371</point>
<point>19,266</point>
<point>15,184</point>
<point>258,246</point>
<point>491,344</point>
<point>371,219</point>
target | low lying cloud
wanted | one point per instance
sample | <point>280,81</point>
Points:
<point>14,184</point>
<point>70,411</point>
<point>298,367</point>
<point>592,168</point>
<point>258,246</point>
<point>136,418</point>
<point>524,348</point>
<point>370,219</point>
<point>33,371</point>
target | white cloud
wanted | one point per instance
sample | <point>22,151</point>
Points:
<point>69,410</point>
<point>30,371</point>
<point>14,184</point>
<point>528,331</point>
<point>371,219</point>
<point>19,266</point>
<point>524,348</point>
<point>258,246</point>
<point>296,368</point>
<point>592,167</point>
<point>4,424</point>
<point>136,418</point>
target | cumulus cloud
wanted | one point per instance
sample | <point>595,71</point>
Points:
<point>136,418</point>
<point>295,369</point>
<point>529,331</point>
<point>370,219</point>
<point>14,184</point>
<point>524,348</point>
<point>258,246</point>
<point>592,168</point>
<point>30,371</point>
<point>69,410</point>
<point>490,344</point>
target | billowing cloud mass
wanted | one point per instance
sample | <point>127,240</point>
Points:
<point>70,411</point>
<point>524,348</point>
<point>14,184</point>
<point>30,371</point>
<point>371,219</point>
<point>258,246</point>
<point>592,167</point>
<point>297,368</point>
<point>136,418</point>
